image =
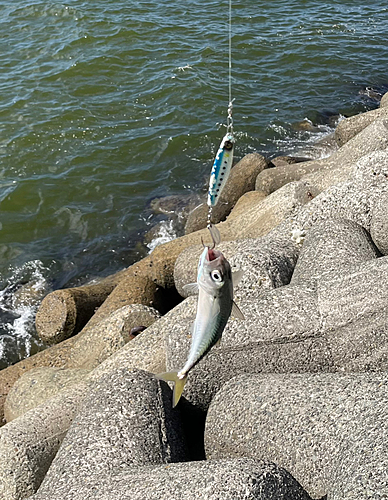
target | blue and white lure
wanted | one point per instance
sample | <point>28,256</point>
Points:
<point>221,169</point>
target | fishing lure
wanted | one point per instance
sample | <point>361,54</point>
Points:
<point>221,169</point>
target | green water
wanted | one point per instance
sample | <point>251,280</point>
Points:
<point>106,105</point>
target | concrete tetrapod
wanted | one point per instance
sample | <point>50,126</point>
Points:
<point>29,443</point>
<point>332,318</point>
<point>126,420</point>
<point>328,430</point>
<point>240,479</point>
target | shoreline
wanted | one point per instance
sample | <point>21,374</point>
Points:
<point>311,238</point>
<point>25,298</point>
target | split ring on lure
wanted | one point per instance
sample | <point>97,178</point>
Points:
<point>221,169</point>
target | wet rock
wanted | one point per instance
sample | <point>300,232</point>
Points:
<point>176,204</point>
<point>330,248</point>
<point>160,233</point>
<point>323,147</point>
<point>28,294</point>
<point>126,420</point>
<point>213,479</point>
<point>327,430</point>
<point>379,223</point>
<point>287,160</point>
<point>306,125</point>
<point>29,443</point>
<point>241,180</point>
<point>39,385</point>
<point>349,127</point>
<point>177,209</point>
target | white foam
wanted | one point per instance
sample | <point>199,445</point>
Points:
<point>312,143</point>
<point>19,300</point>
<point>165,233</point>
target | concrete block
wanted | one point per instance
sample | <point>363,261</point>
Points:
<point>332,247</point>
<point>126,420</point>
<point>29,443</point>
<point>327,430</point>
<point>240,479</point>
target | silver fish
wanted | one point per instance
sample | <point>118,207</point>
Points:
<point>215,305</point>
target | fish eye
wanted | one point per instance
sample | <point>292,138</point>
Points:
<point>216,276</point>
<point>228,145</point>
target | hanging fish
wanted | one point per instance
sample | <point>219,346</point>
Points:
<point>215,304</point>
<point>221,169</point>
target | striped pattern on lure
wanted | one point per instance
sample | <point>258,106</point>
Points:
<point>215,305</point>
<point>221,169</point>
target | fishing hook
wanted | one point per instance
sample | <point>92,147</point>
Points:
<point>216,237</point>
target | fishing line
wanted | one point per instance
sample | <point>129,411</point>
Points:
<point>224,157</point>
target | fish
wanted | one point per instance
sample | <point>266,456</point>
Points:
<point>215,284</point>
<point>221,169</point>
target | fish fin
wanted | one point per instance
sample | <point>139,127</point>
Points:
<point>236,311</point>
<point>191,288</point>
<point>179,384</point>
<point>236,277</point>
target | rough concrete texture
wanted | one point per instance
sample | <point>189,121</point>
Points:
<point>110,334</point>
<point>384,101</point>
<point>379,223</point>
<point>29,443</point>
<point>338,322</point>
<point>260,218</point>
<point>349,127</point>
<point>257,220</point>
<point>247,200</point>
<point>147,351</point>
<point>265,266</point>
<point>272,179</point>
<point>328,171</point>
<point>279,333</point>
<point>39,385</point>
<point>328,430</point>
<point>352,199</point>
<point>57,355</point>
<point>242,179</point>
<point>126,420</point>
<point>238,479</point>
<point>330,248</point>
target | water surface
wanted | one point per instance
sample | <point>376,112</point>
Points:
<point>107,105</point>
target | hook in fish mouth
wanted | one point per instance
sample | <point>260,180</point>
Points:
<point>210,248</point>
<point>212,254</point>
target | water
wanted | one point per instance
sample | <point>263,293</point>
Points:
<point>107,105</point>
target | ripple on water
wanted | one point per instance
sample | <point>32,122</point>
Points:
<point>106,105</point>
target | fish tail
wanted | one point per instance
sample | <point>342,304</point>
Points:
<point>179,384</point>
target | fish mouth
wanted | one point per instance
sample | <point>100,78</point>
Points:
<point>212,254</point>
